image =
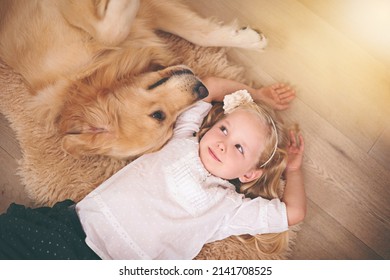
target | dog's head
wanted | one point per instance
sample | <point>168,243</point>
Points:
<point>131,118</point>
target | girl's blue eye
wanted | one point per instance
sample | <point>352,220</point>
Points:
<point>223,129</point>
<point>239,148</point>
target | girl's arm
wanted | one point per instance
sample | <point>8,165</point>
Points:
<point>294,193</point>
<point>277,96</point>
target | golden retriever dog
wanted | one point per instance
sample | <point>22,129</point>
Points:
<point>128,119</point>
<point>89,65</point>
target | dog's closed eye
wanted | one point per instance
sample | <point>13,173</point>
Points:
<point>158,115</point>
<point>158,83</point>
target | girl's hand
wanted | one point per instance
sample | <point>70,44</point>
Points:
<point>295,151</point>
<point>277,96</point>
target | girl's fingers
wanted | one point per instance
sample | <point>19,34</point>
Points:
<point>286,99</point>
<point>293,141</point>
<point>301,142</point>
<point>278,86</point>
<point>296,141</point>
<point>286,94</point>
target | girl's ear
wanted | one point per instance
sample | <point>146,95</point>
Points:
<point>251,175</point>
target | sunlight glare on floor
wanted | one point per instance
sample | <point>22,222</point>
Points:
<point>370,22</point>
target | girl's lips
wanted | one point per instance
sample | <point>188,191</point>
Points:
<point>213,155</point>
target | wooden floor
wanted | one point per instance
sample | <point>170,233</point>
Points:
<point>335,53</point>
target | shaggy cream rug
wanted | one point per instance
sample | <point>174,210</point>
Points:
<point>50,175</point>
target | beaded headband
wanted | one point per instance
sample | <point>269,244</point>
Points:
<point>238,98</point>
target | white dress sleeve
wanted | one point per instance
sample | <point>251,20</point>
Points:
<point>190,120</point>
<point>255,216</point>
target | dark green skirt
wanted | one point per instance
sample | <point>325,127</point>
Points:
<point>46,233</point>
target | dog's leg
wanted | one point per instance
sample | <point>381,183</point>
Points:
<point>181,21</point>
<point>108,21</point>
<point>116,22</point>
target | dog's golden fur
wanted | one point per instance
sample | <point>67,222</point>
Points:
<point>70,52</point>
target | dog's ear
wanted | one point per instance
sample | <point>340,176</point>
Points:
<point>90,143</point>
<point>87,123</point>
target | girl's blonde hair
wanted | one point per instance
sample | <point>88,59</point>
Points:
<point>268,185</point>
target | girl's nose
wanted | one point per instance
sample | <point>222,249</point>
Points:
<point>221,146</point>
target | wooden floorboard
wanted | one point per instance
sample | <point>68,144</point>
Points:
<point>364,22</point>
<point>338,180</point>
<point>381,149</point>
<point>8,141</point>
<point>323,238</point>
<point>11,189</point>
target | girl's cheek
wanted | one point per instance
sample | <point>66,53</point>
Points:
<point>234,158</point>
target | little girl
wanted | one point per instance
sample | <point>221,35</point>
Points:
<point>168,204</point>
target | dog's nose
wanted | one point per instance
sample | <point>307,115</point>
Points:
<point>201,91</point>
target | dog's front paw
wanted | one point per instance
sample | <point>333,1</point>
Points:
<point>249,38</point>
